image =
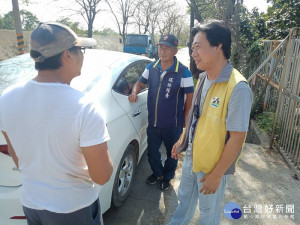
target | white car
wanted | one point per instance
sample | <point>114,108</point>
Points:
<point>107,77</point>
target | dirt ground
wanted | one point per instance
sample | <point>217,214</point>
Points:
<point>262,179</point>
<point>9,47</point>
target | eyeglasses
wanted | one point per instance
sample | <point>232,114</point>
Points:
<point>82,49</point>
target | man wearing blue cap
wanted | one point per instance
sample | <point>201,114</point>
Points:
<point>169,81</point>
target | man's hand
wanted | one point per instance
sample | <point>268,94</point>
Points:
<point>187,106</point>
<point>211,183</point>
<point>174,153</point>
<point>11,150</point>
<point>133,97</point>
<point>137,87</point>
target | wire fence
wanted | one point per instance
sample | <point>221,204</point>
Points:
<point>276,87</point>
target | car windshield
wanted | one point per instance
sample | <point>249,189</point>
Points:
<point>21,68</point>
<point>136,40</point>
<point>100,66</point>
<point>16,70</point>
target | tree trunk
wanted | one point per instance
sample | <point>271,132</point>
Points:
<point>193,68</point>
<point>18,25</point>
<point>123,37</point>
<point>90,29</point>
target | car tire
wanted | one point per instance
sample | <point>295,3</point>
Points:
<point>124,177</point>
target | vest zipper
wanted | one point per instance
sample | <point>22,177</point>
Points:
<point>157,96</point>
<point>177,105</point>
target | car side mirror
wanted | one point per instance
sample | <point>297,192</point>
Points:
<point>120,40</point>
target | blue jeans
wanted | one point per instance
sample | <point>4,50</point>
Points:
<point>155,137</point>
<point>90,215</point>
<point>210,205</point>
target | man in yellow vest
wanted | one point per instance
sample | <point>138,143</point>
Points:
<point>216,127</point>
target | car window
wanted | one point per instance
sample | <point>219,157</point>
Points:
<point>136,40</point>
<point>129,77</point>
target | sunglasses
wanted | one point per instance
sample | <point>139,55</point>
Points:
<point>82,49</point>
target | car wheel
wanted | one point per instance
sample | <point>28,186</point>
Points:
<point>124,177</point>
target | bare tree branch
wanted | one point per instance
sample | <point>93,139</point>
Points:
<point>123,11</point>
<point>89,10</point>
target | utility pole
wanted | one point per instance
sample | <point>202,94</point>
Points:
<point>18,25</point>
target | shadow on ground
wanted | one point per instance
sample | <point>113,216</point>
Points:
<point>146,204</point>
<point>261,179</point>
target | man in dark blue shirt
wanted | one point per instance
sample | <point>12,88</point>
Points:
<point>169,81</point>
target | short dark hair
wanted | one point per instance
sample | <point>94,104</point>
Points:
<point>216,33</point>
<point>51,63</point>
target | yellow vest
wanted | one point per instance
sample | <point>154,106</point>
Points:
<point>210,134</point>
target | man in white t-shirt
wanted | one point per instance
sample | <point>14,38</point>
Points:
<point>55,135</point>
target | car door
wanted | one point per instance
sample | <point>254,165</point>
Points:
<point>137,112</point>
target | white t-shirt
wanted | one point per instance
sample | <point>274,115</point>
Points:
<point>47,123</point>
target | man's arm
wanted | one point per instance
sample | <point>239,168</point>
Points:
<point>137,87</point>
<point>212,180</point>
<point>174,153</point>
<point>187,106</point>
<point>188,85</point>
<point>11,150</point>
<point>99,163</point>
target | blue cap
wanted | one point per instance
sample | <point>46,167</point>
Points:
<point>168,40</point>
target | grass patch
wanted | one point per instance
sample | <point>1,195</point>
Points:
<point>265,121</point>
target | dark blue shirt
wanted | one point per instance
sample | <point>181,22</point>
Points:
<point>166,93</point>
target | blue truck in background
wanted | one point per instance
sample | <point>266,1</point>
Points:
<point>140,44</point>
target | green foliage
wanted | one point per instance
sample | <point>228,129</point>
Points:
<point>252,31</point>
<point>1,22</point>
<point>80,31</point>
<point>254,53</point>
<point>73,25</point>
<point>273,25</point>
<point>106,32</point>
<point>255,50</point>
<point>205,10</point>
<point>252,26</point>
<point>26,2</point>
<point>249,28</point>
<point>235,59</point>
<point>265,121</point>
<point>257,106</point>
<point>281,16</point>
<point>29,20</point>
<point>8,21</point>
<point>256,26</point>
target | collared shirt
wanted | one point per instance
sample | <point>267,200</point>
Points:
<point>186,80</point>
<point>166,91</point>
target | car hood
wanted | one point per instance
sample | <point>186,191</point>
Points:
<point>99,72</point>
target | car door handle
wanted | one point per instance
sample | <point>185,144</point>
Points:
<point>136,113</point>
